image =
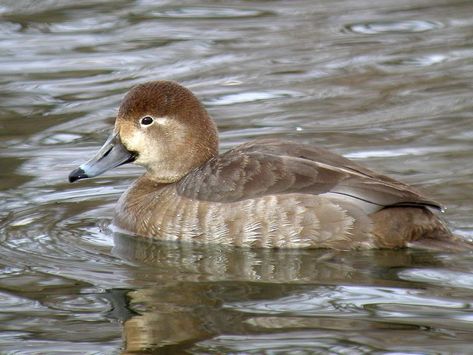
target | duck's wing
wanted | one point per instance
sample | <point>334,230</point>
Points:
<point>268,167</point>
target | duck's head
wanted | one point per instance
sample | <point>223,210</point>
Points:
<point>161,126</point>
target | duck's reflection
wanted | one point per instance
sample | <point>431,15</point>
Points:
<point>183,290</point>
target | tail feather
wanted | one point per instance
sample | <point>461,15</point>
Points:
<point>416,227</point>
<point>452,243</point>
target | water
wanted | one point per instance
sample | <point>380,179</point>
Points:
<point>386,83</point>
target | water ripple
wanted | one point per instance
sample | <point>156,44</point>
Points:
<point>408,26</point>
<point>391,88</point>
<point>355,300</point>
<point>445,277</point>
<point>250,96</point>
<point>202,12</point>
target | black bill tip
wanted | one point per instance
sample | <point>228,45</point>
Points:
<point>77,175</point>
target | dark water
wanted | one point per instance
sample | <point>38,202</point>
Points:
<point>388,83</point>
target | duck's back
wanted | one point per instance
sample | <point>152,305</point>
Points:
<point>272,193</point>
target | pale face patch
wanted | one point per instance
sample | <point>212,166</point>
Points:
<point>163,147</point>
<point>162,121</point>
<point>154,142</point>
<point>135,141</point>
<point>145,121</point>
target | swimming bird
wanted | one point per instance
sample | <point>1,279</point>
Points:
<point>265,193</point>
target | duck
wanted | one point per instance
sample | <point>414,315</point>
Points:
<point>266,193</point>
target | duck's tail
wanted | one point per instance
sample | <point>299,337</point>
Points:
<point>415,227</point>
<point>452,243</point>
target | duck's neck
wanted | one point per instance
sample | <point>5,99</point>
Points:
<point>171,171</point>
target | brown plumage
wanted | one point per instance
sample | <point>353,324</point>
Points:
<point>265,193</point>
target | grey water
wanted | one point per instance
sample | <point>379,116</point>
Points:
<point>386,83</point>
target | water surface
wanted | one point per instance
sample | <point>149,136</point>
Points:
<point>388,84</point>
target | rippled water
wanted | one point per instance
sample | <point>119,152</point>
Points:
<point>388,83</point>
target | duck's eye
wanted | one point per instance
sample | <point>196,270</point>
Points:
<point>145,121</point>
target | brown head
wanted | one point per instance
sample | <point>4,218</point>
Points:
<point>161,126</point>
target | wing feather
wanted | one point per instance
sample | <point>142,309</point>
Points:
<point>269,166</point>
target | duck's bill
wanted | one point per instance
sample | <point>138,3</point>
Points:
<point>112,154</point>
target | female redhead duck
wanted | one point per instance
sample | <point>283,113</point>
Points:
<point>265,193</point>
